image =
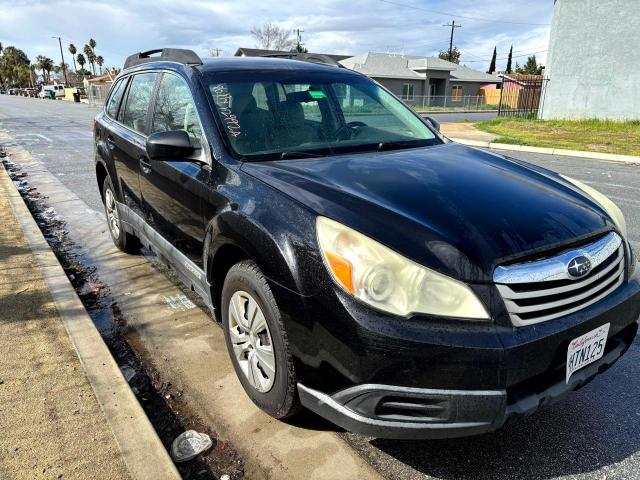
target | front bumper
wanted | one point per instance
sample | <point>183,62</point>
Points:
<point>396,412</point>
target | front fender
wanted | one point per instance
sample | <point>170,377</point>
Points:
<point>284,250</point>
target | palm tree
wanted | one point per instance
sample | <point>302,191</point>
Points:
<point>81,62</point>
<point>48,65</point>
<point>100,62</point>
<point>91,57</point>
<point>73,50</point>
<point>92,44</point>
<point>41,64</point>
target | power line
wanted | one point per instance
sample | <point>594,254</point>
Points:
<point>479,19</point>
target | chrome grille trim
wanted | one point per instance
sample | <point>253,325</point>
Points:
<point>555,268</point>
<point>523,303</point>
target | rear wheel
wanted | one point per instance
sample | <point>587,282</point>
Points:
<point>124,241</point>
<point>257,341</point>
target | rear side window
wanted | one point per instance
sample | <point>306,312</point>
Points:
<point>174,109</point>
<point>114,100</point>
<point>138,99</point>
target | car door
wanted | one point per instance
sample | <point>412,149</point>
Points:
<point>127,139</point>
<point>172,190</point>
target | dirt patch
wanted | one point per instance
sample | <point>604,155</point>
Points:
<point>160,400</point>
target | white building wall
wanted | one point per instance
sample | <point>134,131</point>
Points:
<point>593,64</point>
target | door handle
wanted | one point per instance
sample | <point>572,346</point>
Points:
<point>145,165</point>
<point>111,143</point>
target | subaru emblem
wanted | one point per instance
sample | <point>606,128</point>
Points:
<point>578,266</point>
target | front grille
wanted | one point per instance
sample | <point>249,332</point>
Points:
<point>542,290</point>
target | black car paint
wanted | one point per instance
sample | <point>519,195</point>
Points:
<point>455,209</point>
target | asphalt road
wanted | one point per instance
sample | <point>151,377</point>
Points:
<point>591,435</point>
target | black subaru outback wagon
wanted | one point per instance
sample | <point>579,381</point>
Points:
<point>362,265</point>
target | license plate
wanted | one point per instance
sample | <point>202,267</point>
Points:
<point>586,349</point>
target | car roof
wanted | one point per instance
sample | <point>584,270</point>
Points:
<point>234,64</point>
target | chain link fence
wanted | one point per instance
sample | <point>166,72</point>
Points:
<point>449,103</point>
<point>97,94</point>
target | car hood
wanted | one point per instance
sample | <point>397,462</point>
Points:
<point>459,210</point>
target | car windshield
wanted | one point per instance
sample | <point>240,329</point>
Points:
<point>297,113</point>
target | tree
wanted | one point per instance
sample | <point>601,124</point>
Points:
<point>509,60</point>
<point>73,50</point>
<point>531,67</point>
<point>492,65</point>
<point>14,67</point>
<point>92,44</point>
<point>81,62</point>
<point>100,62</point>
<point>45,64</point>
<point>455,55</point>
<point>91,57</point>
<point>272,37</point>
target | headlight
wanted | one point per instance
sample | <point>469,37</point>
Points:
<point>386,280</point>
<point>608,206</point>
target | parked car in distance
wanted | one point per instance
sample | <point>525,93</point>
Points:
<point>362,265</point>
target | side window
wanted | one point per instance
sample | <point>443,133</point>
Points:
<point>138,98</point>
<point>114,100</point>
<point>174,109</point>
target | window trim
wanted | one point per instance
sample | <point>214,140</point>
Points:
<point>457,98</point>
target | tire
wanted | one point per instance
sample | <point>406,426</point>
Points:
<point>278,394</point>
<point>124,241</point>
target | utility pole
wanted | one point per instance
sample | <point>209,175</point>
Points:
<point>453,27</point>
<point>299,39</point>
<point>215,52</point>
<point>64,67</point>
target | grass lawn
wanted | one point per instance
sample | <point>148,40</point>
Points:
<point>593,135</point>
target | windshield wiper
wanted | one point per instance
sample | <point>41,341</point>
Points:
<point>288,155</point>
<point>398,145</point>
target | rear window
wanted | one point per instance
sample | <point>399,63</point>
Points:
<point>114,99</point>
<point>138,99</point>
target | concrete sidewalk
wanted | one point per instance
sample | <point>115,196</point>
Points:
<point>50,422</point>
<point>460,131</point>
<point>65,409</point>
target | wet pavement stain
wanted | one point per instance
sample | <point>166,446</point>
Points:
<point>160,400</point>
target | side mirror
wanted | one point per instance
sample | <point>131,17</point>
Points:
<point>172,145</point>
<point>434,123</point>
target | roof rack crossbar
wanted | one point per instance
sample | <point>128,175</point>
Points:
<point>306,57</point>
<point>178,55</point>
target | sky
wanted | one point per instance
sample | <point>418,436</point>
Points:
<point>414,27</point>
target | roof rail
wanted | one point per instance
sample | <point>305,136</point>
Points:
<point>178,55</point>
<point>306,57</point>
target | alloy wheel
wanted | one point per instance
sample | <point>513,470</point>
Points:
<point>113,218</point>
<point>251,340</point>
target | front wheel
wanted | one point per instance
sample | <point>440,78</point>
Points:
<point>124,241</point>
<point>257,341</point>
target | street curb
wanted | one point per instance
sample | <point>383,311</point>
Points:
<point>550,151</point>
<point>141,448</point>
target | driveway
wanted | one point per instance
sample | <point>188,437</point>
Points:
<point>593,434</point>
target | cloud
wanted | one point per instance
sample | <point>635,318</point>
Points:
<point>331,26</point>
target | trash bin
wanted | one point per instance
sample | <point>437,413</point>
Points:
<point>52,94</point>
<point>76,97</point>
